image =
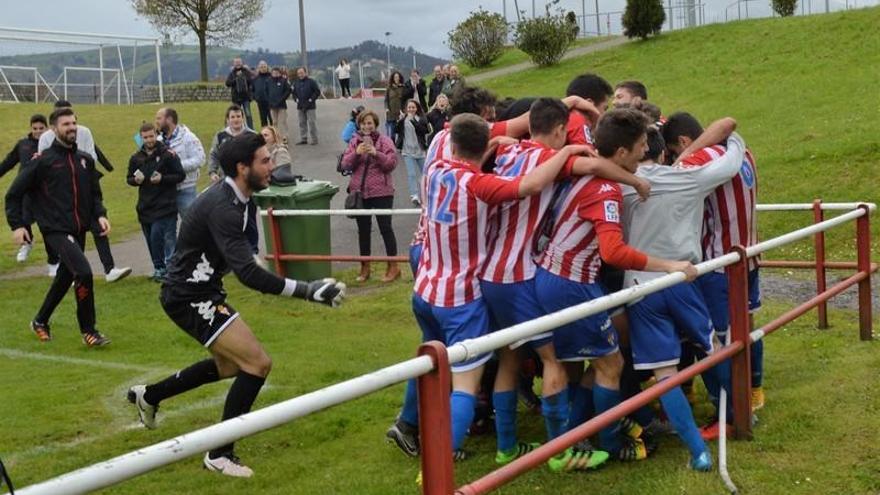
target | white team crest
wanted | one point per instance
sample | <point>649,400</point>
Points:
<point>612,213</point>
<point>202,273</point>
<point>206,310</point>
<point>606,188</point>
<point>82,161</point>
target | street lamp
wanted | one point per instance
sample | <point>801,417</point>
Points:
<point>388,51</point>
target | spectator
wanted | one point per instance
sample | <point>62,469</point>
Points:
<point>371,158</point>
<point>412,129</point>
<point>305,94</point>
<point>188,149</point>
<point>435,89</point>
<point>279,92</point>
<point>453,81</point>
<point>438,116</point>
<point>351,126</point>
<point>155,170</point>
<point>414,89</point>
<point>280,154</point>
<point>261,93</point>
<point>343,73</point>
<point>393,103</point>
<point>234,127</point>
<point>22,153</point>
<point>241,88</point>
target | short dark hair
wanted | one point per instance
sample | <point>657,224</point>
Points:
<point>63,104</point>
<point>469,134</point>
<point>681,124</point>
<point>471,100</point>
<point>636,88</point>
<point>60,112</point>
<point>147,126</point>
<point>240,149</point>
<point>590,86</point>
<point>233,108</point>
<point>651,110</point>
<point>38,117</point>
<point>656,144</point>
<point>546,114</point>
<point>511,109</point>
<point>619,128</point>
<point>171,114</point>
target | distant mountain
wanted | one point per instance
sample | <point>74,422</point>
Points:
<point>180,63</point>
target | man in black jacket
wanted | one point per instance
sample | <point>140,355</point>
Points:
<point>66,200</point>
<point>211,243</point>
<point>414,89</point>
<point>261,83</point>
<point>241,88</point>
<point>22,153</point>
<point>279,92</point>
<point>305,94</point>
<point>155,170</point>
<point>436,86</point>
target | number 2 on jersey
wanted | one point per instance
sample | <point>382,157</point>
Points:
<point>448,182</point>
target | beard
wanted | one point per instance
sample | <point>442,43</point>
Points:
<point>254,182</point>
<point>68,138</point>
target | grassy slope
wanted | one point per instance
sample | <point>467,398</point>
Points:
<point>512,56</point>
<point>821,391</point>
<point>113,127</point>
<point>804,91</point>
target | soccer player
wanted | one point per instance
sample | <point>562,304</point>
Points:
<point>22,153</point>
<point>586,232</point>
<point>211,243</point>
<point>667,225</point>
<point>630,92</point>
<point>597,92</point>
<point>508,285</point>
<point>730,220</point>
<point>66,200</point>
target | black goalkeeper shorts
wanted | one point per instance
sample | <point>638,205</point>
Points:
<point>204,318</point>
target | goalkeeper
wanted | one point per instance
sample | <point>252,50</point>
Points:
<point>212,242</point>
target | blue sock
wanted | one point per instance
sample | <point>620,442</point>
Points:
<point>606,399</point>
<point>682,418</point>
<point>757,349</point>
<point>643,416</point>
<point>462,405</point>
<point>555,409</point>
<point>505,419</point>
<point>410,411</point>
<point>582,407</point>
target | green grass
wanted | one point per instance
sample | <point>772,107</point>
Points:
<point>513,56</point>
<point>815,435</point>
<point>113,127</point>
<point>802,90</point>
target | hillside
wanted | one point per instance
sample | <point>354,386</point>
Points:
<point>804,90</point>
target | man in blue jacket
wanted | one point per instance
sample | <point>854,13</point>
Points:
<point>305,94</point>
<point>278,92</point>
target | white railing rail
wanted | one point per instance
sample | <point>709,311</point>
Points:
<point>127,466</point>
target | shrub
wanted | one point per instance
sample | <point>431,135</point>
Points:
<point>784,8</point>
<point>545,39</point>
<point>643,18</point>
<point>479,39</point>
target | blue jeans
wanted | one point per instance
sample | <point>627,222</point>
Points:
<point>414,167</point>
<point>391,130</point>
<point>161,237</point>
<point>185,198</point>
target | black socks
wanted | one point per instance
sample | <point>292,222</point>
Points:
<point>184,380</point>
<point>241,397</point>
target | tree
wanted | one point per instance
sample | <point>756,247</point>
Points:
<point>784,8</point>
<point>223,21</point>
<point>643,18</point>
<point>545,39</point>
<point>479,39</point>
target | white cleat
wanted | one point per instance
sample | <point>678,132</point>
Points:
<point>117,274</point>
<point>228,465</point>
<point>52,269</point>
<point>23,252</point>
<point>146,411</point>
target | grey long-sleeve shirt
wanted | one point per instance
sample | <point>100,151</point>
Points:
<point>669,224</point>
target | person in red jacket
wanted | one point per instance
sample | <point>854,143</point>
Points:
<point>372,157</point>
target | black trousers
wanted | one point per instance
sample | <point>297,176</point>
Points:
<point>346,86</point>
<point>365,226</point>
<point>74,268</point>
<point>265,116</point>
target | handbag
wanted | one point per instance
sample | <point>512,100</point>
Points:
<point>355,199</point>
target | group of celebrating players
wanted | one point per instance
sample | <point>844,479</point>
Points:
<point>558,202</point>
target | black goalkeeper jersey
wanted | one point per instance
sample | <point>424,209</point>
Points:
<point>211,243</point>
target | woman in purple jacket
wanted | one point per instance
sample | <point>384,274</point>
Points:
<point>372,157</point>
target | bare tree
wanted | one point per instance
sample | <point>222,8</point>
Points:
<point>224,21</point>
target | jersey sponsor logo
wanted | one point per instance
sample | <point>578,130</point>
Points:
<point>206,310</point>
<point>612,212</point>
<point>606,188</point>
<point>745,172</point>
<point>203,271</point>
<point>82,162</point>
<point>588,134</point>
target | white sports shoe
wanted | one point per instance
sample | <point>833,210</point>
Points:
<point>146,411</point>
<point>228,465</point>
<point>415,200</point>
<point>52,269</point>
<point>23,252</point>
<point>117,274</point>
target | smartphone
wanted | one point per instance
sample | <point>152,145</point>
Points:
<point>368,140</point>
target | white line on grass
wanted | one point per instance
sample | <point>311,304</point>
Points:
<point>17,354</point>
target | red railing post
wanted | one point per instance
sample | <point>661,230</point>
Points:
<point>819,248</point>
<point>435,423</point>
<point>741,369</point>
<point>863,245</point>
<point>276,242</point>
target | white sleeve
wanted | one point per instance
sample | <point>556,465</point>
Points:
<point>722,169</point>
<point>87,142</point>
<point>195,153</point>
<point>45,141</point>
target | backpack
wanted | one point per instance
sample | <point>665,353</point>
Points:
<point>241,83</point>
<point>342,171</point>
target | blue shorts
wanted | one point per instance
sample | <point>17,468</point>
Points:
<point>659,322</point>
<point>415,254</point>
<point>511,304</point>
<point>453,325</point>
<point>714,288</point>
<point>588,338</point>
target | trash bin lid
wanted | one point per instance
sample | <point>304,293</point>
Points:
<point>307,190</point>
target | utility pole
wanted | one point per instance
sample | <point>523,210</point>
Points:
<point>388,52</point>
<point>302,37</point>
<point>598,24</point>
<point>671,27</point>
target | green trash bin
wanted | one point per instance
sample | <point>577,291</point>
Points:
<point>300,235</point>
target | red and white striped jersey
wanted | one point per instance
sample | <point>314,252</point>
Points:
<point>729,218</point>
<point>578,129</point>
<point>457,204</point>
<point>590,206</point>
<point>514,224</point>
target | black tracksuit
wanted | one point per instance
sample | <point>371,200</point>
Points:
<point>22,153</point>
<point>67,199</point>
<point>156,201</point>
